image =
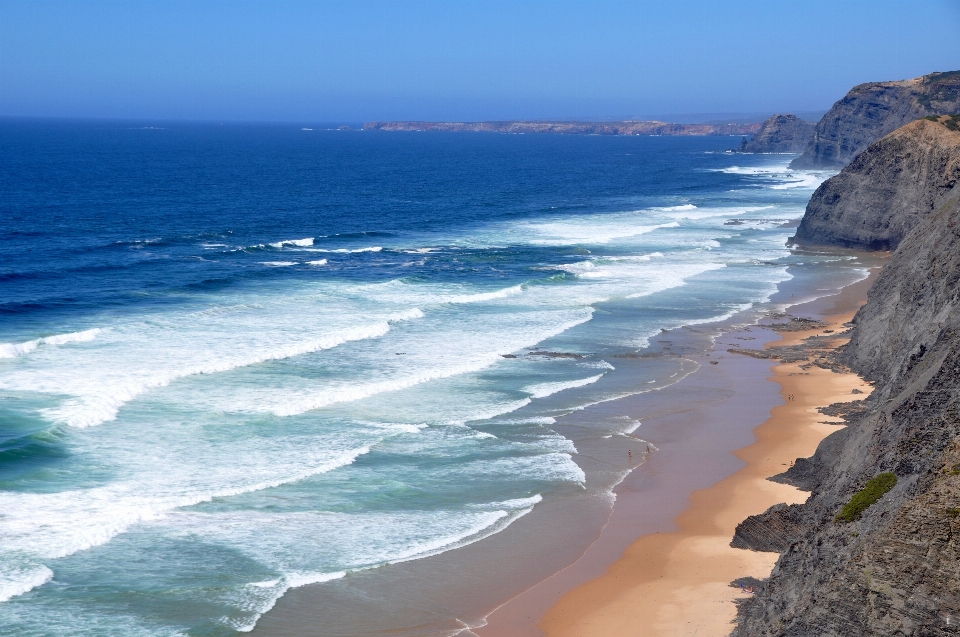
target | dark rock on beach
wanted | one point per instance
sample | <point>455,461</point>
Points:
<point>870,111</point>
<point>773,530</point>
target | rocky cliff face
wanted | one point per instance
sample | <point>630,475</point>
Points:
<point>780,134</point>
<point>870,111</point>
<point>896,570</point>
<point>875,201</point>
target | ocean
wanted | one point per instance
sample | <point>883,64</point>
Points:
<point>237,359</point>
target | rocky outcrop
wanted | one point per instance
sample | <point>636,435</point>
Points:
<point>780,134</point>
<point>896,570</point>
<point>875,201</point>
<point>773,531</point>
<point>571,128</point>
<point>870,111</point>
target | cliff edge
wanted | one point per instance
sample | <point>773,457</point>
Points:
<point>870,111</point>
<point>875,201</point>
<point>780,134</point>
<point>895,569</point>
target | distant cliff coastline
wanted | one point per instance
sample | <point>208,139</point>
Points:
<point>570,128</point>
<point>780,134</point>
<point>870,111</point>
<point>893,568</point>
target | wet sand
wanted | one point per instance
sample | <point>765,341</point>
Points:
<point>571,539</point>
<point>686,501</point>
<point>677,582</point>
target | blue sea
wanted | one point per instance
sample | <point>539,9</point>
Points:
<point>237,359</point>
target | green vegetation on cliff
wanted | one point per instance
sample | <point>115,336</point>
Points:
<point>867,496</point>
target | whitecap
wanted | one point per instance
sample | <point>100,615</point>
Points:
<point>543,390</point>
<point>479,297</point>
<point>103,404</point>
<point>302,243</point>
<point>348,250</point>
<point>273,591</point>
<point>17,579</point>
<point>12,350</point>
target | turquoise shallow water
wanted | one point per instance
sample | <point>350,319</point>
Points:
<point>238,360</point>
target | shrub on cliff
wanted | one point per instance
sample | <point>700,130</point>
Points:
<point>866,496</point>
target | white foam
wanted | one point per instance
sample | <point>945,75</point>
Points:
<point>533,420</point>
<point>596,364</point>
<point>484,296</point>
<point>17,579</point>
<point>597,231</point>
<point>278,264</point>
<point>302,243</point>
<point>683,207</point>
<point>808,180</point>
<point>785,177</point>
<point>100,403</point>
<point>47,526</point>
<point>753,170</point>
<point>273,590</point>
<point>348,250</point>
<point>12,350</point>
<point>431,365</point>
<point>374,540</point>
<point>318,262</point>
<point>407,315</point>
<point>543,390</point>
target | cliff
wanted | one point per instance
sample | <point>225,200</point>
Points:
<point>896,569</point>
<point>780,134</point>
<point>870,111</point>
<point>570,128</point>
<point>876,200</point>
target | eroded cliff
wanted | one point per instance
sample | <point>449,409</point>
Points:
<point>896,570</point>
<point>876,200</point>
<point>780,134</point>
<point>870,111</point>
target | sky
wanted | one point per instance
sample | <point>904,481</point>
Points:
<point>458,60</point>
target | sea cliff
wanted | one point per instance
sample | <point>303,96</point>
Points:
<point>571,128</point>
<point>895,569</point>
<point>780,134</point>
<point>873,110</point>
<point>880,197</point>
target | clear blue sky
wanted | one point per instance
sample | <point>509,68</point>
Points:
<point>457,59</point>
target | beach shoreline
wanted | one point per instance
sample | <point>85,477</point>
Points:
<point>661,510</point>
<point>506,583</point>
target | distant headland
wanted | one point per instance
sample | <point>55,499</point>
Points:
<point>630,127</point>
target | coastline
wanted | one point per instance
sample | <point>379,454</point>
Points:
<point>678,583</point>
<point>505,584</point>
<point>662,562</point>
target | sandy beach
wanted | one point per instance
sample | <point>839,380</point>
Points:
<point>564,567</point>
<point>735,425</point>
<point>677,583</point>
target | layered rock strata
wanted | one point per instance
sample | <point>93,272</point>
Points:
<point>780,134</point>
<point>870,111</point>
<point>896,570</point>
<point>881,196</point>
